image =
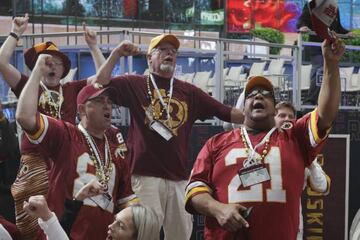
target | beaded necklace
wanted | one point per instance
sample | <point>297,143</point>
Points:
<point>54,106</point>
<point>165,106</point>
<point>156,115</point>
<point>103,168</point>
<point>247,147</point>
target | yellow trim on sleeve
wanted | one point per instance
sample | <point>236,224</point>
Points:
<point>313,126</point>
<point>195,191</point>
<point>40,131</point>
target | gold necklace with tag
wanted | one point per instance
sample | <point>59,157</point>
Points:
<point>103,169</point>
<point>247,148</point>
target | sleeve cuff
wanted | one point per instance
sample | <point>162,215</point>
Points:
<point>192,190</point>
<point>315,137</point>
<point>45,224</point>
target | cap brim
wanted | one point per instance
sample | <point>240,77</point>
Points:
<point>109,90</point>
<point>258,81</point>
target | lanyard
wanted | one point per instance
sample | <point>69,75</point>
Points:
<point>49,94</point>
<point>247,139</point>
<point>166,106</point>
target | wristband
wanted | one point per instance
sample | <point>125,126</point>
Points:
<point>14,35</point>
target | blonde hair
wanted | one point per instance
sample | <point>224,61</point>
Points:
<point>146,223</point>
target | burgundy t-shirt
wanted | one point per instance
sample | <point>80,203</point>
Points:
<point>149,153</point>
<point>68,107</point>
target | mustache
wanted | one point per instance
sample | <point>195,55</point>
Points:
<point>167,67</point>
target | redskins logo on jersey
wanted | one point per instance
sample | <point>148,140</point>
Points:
<point>178,111</point>
<point>287,125</point>
<point>50,102</point>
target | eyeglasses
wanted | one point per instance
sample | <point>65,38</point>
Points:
<point>265,93</point>
<point>58,63</point>
<point>166,50</point>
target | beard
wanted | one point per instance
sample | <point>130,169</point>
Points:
<point>167,68</point>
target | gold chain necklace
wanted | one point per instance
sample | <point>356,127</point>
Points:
<point>103,168</point>
<point>264,151</point>
<point>156,115</point>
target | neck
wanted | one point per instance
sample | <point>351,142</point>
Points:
<point>98,133</point>
<point>162,75</point>
<point>259,126</point>
<point>50,84</point>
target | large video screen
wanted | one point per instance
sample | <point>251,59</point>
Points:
<point>242,16</point>
<point>198,12</point>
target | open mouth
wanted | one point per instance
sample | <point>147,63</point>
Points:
<point>107,115</point>
<point>258,105</point>
<point>51,74</point>
<point>168,59</point>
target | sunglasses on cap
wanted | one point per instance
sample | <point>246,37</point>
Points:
<point>264,92</point>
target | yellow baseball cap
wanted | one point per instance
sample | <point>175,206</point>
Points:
<point>170,38</point>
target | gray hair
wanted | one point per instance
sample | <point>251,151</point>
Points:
<point>146,223</point>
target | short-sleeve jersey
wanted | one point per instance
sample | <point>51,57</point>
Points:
<point>275,212</point>
<point>149,153</point>
<point>72,168</point>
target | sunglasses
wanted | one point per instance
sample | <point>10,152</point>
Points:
<point>264,92</point>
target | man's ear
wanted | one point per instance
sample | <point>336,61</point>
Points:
<point>148,58</point>
<point>81,110</point>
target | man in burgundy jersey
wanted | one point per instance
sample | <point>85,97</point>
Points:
<point>163,110</point>
<point>248,181</point>
<point>55,100</point>
<point>78,153</point>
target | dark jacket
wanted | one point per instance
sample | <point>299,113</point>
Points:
<point>9,152</point>
<point>305,20</point>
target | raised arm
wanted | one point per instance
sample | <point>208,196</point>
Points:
<point>329,97</point>
<point>10,73</point>
<point>125,48</point>
<point>91,41</point>
<point>28,100</point>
